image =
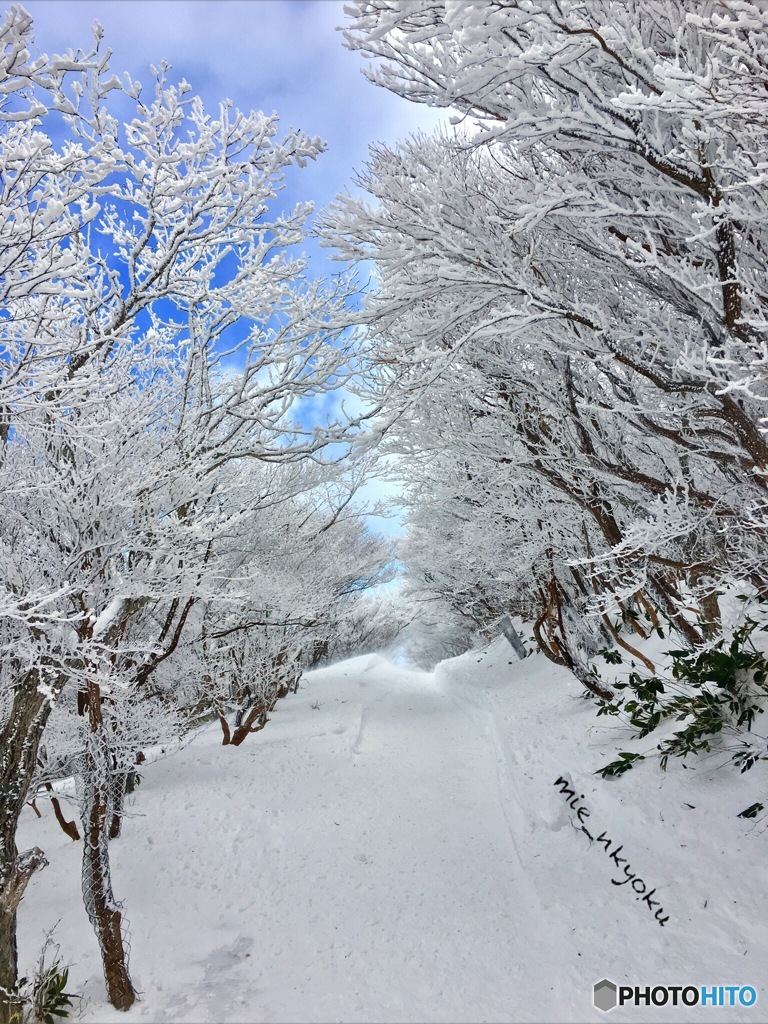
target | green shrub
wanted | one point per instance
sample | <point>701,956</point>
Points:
<point>721,689</point>
<point>42,998</point>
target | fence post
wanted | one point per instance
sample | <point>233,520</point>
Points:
<point>511,634</point>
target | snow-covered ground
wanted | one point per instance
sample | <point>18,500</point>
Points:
<point>394,847</point>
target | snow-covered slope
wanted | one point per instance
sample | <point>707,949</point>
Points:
<point>394,846</point>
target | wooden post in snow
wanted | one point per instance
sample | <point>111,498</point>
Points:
<point>510,633</point>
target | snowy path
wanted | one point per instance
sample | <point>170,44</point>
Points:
<point>381,855</point>
<point>390,848</point>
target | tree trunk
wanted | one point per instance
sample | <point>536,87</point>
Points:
<point>226,735</point>
<point>254,721</point>
<point>69,828</point>
<point>709,606</point>
<point>121,784</point>
<point>118,787</point>
<point>9,1007</point>
<point>658,587</point>
<point>557,647</point>
<point>19,743</point>
<point>100,904</point>
<point>14,883</point>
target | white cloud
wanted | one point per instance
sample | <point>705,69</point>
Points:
<point>282,55</point>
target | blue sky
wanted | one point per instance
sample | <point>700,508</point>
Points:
<point>281,55</point>
<point>273,55</point>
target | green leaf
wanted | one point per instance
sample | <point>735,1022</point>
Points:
<point>616,768</point>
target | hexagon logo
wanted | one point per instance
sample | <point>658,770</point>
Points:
<point>604,995</point>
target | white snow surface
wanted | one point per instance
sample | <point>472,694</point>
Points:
<point>393,847</point>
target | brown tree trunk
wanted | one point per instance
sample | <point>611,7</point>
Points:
<point>710,614</point>
<point>9,1007</point>
<point>226,734</point>
<point>118,786</point>
<point>254,721</point>
<point>627,646</point>
<point>69,828</point>
<point>19,743</point>
<point>649,609</point>
<point>666,595</point>
<point>557,648</point>
<point>615,633</point>
<point>709,607</point>
<point>14,883</point>
<point>100,904</point>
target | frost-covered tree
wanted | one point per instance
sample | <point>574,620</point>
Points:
<point>366,623</point>
<point>295,585</point>
<point>571,299</point>
<point>156,332</point>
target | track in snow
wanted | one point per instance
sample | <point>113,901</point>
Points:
<point>392,848</point>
